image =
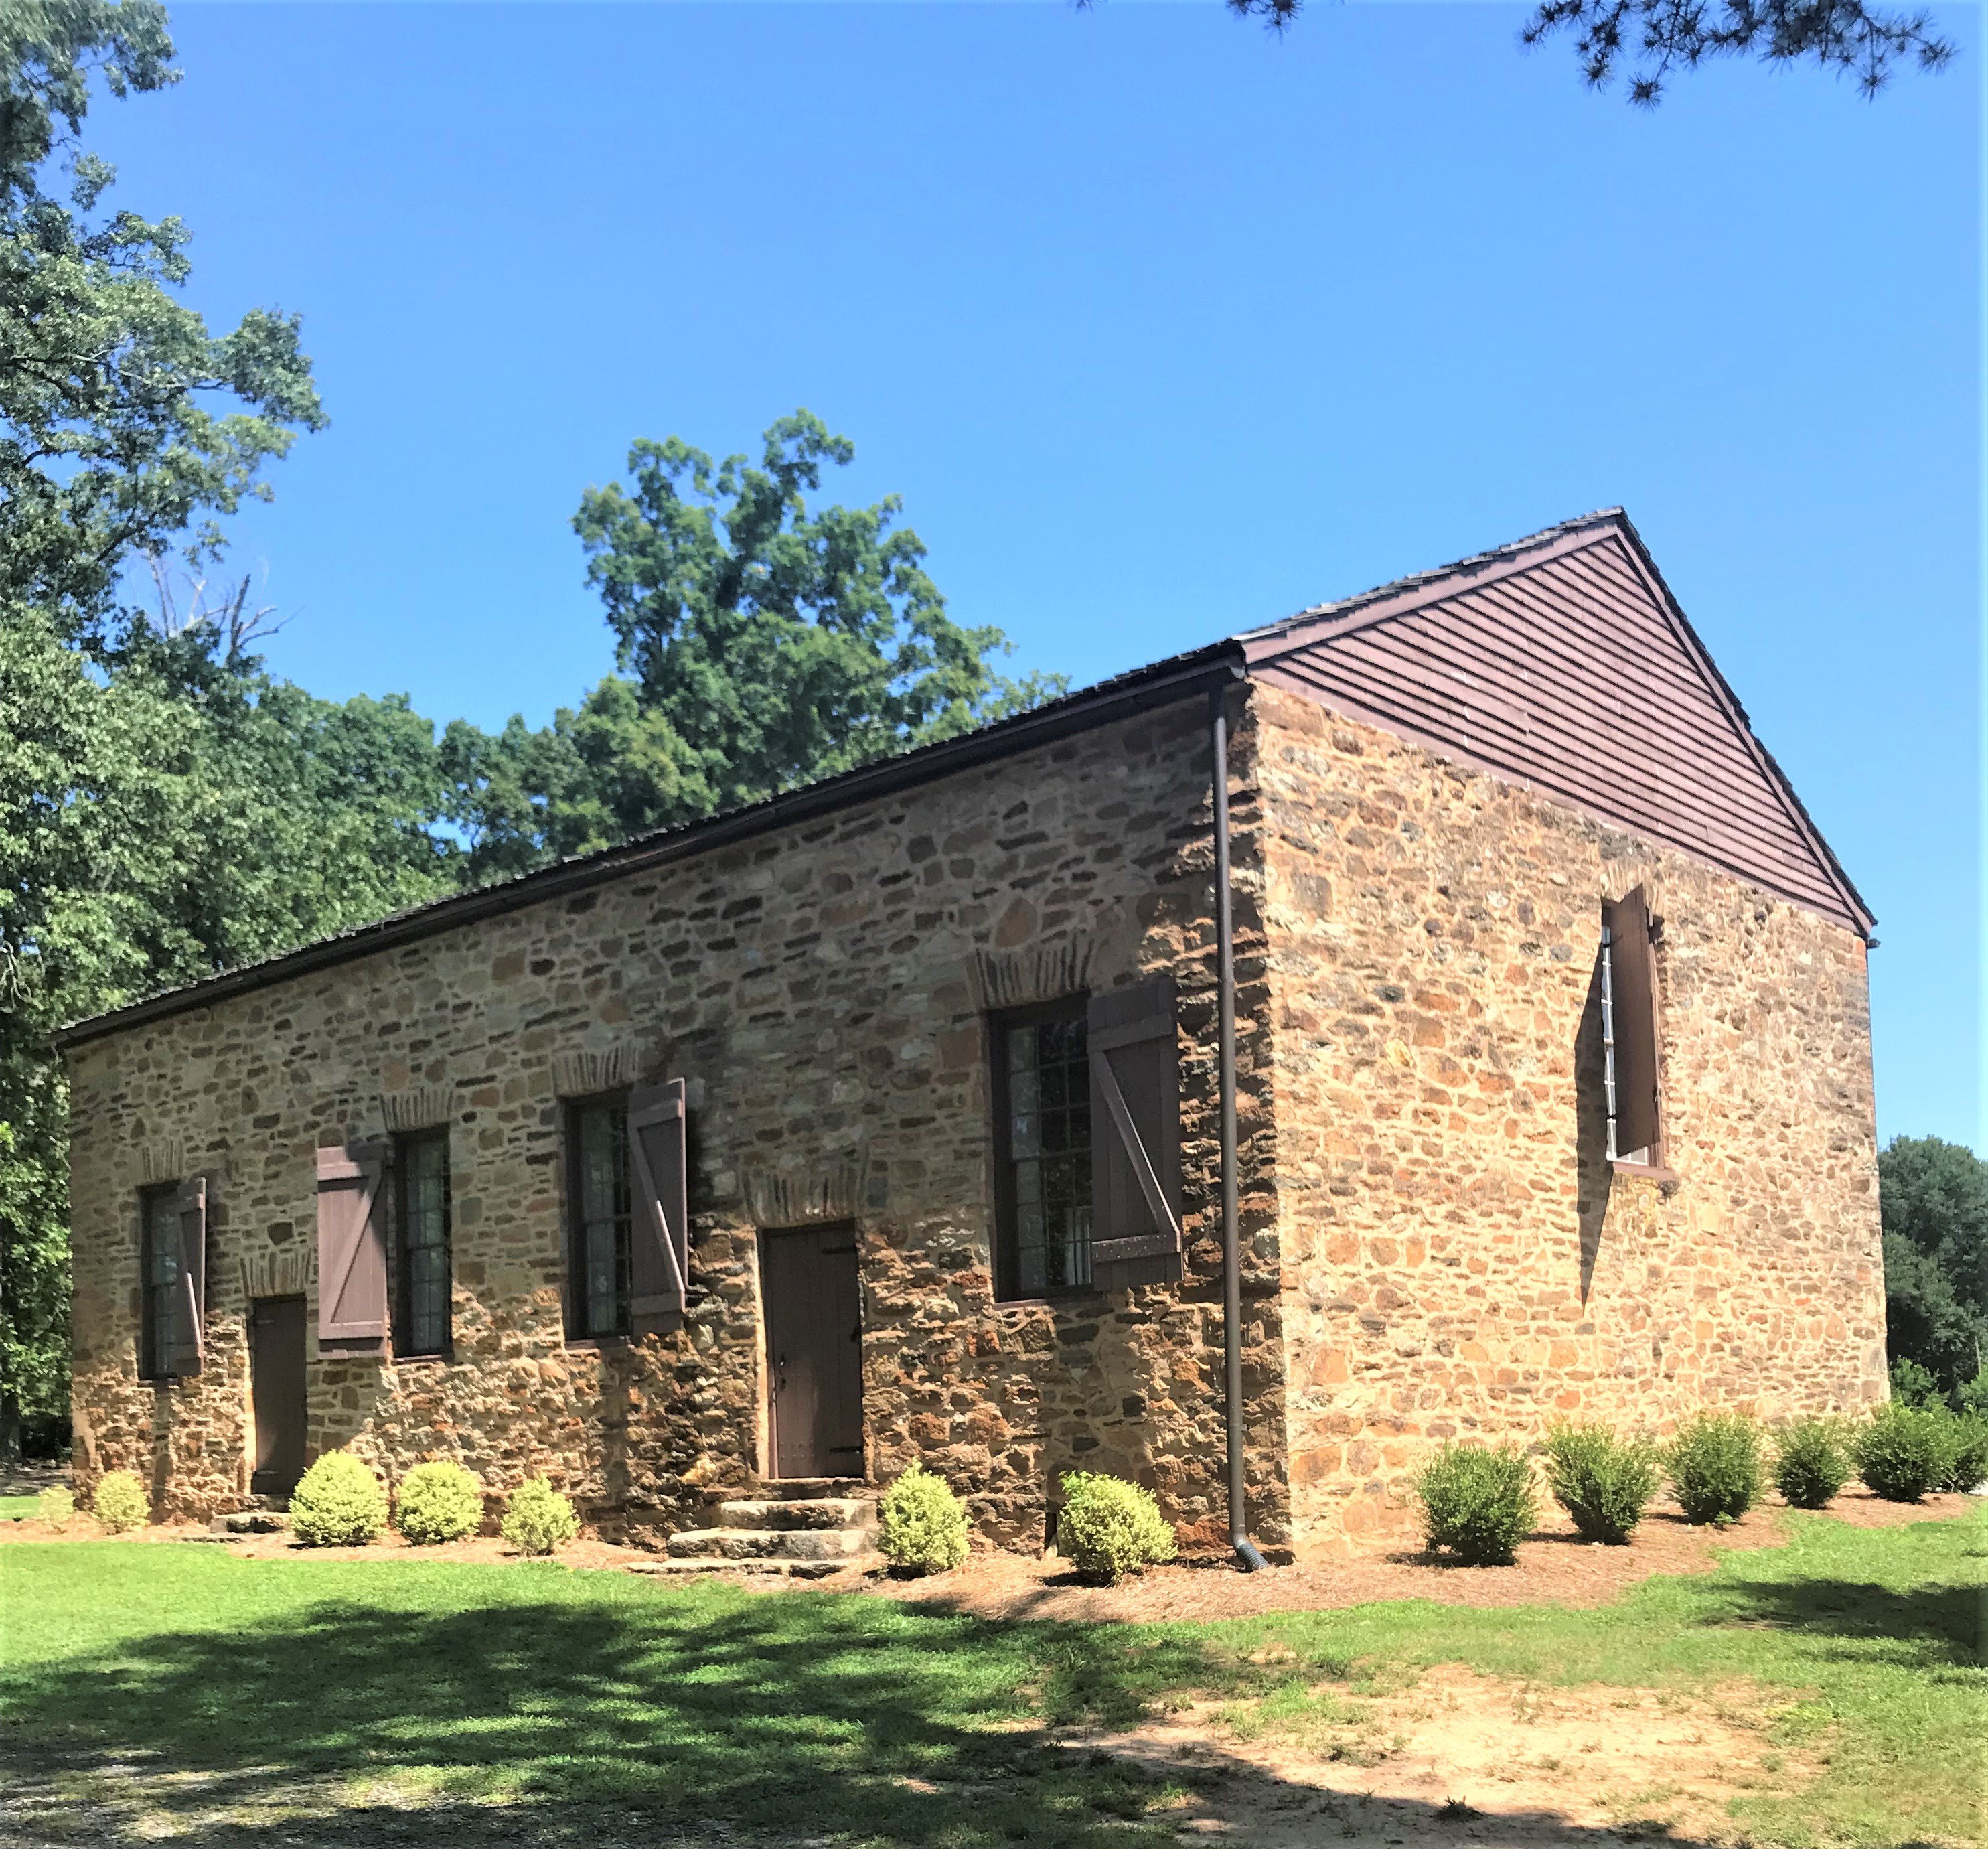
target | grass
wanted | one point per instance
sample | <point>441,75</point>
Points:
<point>18,1508</point>
<point>353,1690</point>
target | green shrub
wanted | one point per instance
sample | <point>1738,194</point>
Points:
<point>338,1503</point>
<point>1811,1462</point>
<point>1714,1466</point>
<point>121,1502</point>
<point>537,1518</point>
<point>438,1502</point>
<point>56,1507</point>
<point>1972,1396</point>
<point>1108,1527</point>
<point>1906,1451</point>
<point>921,1526</point>
<point>1477,1504</point>
<point>1913,1383</point>
<point>1602,1481</point>
<point>1970,1466</point>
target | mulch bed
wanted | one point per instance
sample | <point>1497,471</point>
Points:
<point>1555,1567</point>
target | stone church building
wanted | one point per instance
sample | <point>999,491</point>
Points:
<point>884,1120</point>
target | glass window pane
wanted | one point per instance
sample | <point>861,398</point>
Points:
<point>1049,1150</point>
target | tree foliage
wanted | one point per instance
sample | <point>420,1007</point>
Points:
<point>1934,1197</point>
<point>125,424</point>
<point>166,809</point>
<point>1652,39</point>
<point>762,645</point>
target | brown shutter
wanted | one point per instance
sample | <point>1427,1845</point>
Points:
<point>189,1313</point>
<point>352,1250</point>
<point>1633,967</point>
<point>659,1238</point>
<point>1135,1173</point>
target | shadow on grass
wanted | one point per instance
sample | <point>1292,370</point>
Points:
<point>668,1717</point>
<point>1932,1626</point>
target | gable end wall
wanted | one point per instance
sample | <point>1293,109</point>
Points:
<point>1459,1260</point>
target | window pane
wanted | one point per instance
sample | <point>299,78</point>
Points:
<point>1049,1149</point>
<point>603,1252</point>
<point>425,1263</point>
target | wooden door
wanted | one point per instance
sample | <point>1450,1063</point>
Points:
<point>814,1351</point>
<point>276,1391</point>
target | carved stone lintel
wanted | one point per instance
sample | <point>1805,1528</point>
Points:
<point>1619,878</point>
<point>278,1271</point>
<point>418,1107</point>
<point>1013,979</point>
<point>579,1075</point>
<point>834,1190</point>
<point>162,1160</point>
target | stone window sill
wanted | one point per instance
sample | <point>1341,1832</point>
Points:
<point>424,1360</point>
<point>1649,1171</point>
<point>597,1343</point>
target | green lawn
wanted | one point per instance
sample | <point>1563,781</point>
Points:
<point>18,1508</point>
<point>178,1687</point>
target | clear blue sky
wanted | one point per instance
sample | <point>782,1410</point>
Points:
<point>1162,328</point>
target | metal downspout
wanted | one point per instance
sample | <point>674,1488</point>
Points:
<point>1232,1254</point>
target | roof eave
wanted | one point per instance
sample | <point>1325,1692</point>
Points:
<point>1124,697</point>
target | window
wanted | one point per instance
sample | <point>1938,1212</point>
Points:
<point>160,1288</point>
<point>1042,1084</point>
<point>1630,1032</point>
<point>421,1266</point>
<point>597,1272</point>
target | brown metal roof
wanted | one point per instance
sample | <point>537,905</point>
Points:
<point>1561,661</point>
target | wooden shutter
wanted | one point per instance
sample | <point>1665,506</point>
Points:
<point>352,1250</point>
<point>1135,1168</point>
<point>1632,966</point>
<point>659,1234</point>
<point>189,1311</point>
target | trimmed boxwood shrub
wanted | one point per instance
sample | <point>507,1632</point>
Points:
<point>1969,1467</point>
<point>338,1503</point>
<point>537,1518</point>
<point>1603,1481</point>
<point>56,1507</point>
<point>120,1502</point>
<point>921,1527</point>
<point>1811,1463</point>
<point>1477,1504</point>
<point>1108,1527</point>
<point>439,1502</point>
<point>1906,1451</point>
<point>1714,1466</point>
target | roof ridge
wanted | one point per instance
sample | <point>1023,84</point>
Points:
<point>1496,555</point>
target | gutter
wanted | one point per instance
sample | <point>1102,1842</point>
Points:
<point>1232,1254</point>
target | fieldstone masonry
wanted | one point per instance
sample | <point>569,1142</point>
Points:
<point>1435,1244</point>
<point>1459,1257</point>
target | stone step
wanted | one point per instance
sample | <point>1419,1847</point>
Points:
<point>252,1521</point>
<point>806,1488</point>
<point>770,1544</point>
<point>819,1512</point>
<point>743,1569</point>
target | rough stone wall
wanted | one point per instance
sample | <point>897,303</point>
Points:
<point>1458,1258</point>
<point>821,987</point>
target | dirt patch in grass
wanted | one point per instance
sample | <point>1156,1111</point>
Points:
<point>1463,1757</point>
<point>1555,1567</point>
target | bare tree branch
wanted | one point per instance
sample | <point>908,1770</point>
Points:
<point>191,603</point>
